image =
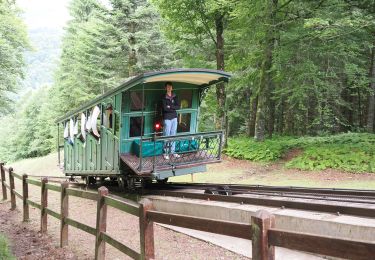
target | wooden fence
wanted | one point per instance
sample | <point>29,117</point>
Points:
<point>261,230</point>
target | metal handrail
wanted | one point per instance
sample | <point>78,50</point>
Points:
<point>199,154</point>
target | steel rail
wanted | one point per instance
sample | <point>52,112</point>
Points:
<point>312,196</point>
<point>321,191</point>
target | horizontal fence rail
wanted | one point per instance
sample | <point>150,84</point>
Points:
<point>261,231</point>
<point>335,247</point>
<point>122,205</point>
<point>227,228</point>
<point>119,246</point>
<point>82,194</point>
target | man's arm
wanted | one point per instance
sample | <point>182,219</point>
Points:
<point>176,104</point>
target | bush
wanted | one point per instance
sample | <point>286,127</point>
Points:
<point>349,152</point>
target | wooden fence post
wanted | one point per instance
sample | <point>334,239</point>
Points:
<point>64,214</point>
<point>44,205</point>
<point>3,187</point>
<point>12,195</point>
<point>260,223</point>
<point>101,224</point>
<point>146,228</point>
<point>25,196</point>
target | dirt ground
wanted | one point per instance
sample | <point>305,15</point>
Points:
<point>26,243</point>
<point>235,171</point>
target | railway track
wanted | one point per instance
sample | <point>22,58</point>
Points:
<point>337,201</point>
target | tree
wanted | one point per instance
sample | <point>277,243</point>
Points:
<point>13,44</point>
<point>138,39</point>
<point>199,23</point>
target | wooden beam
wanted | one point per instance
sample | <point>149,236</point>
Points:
<point>34,204</point>
<point>18,176</point>
<point>222,227</point>
<point>53,187</point>
<point>17,194</point>
<point>53,213</point>
<point>25,192</point>
<point>7,186</point>
<point>146,228</point>
<point>12,195</point>
<point>123,205</point>
<point>64,228</point>
<point>101,224</point>
<point>121,247</point>
<point>82,194</point>
<point>260,224</point>
<point>80,226</point>
<point>324,245</point>
<point>3,181</point>
<point>44,205</point>
<point>34,182</point>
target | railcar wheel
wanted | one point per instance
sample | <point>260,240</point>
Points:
<point>162,181</point>
<point>211,191</point>
<point>90,180</point>
<point>130,183</point>
<point>121,183</point>
<point>224,190</point>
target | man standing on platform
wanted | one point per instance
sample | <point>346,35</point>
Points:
<point>170,104</point>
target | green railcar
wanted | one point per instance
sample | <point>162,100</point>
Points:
<point>118,134</point>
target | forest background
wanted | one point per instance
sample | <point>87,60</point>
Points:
<point>300,68</point>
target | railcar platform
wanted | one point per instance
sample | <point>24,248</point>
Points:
<point>147,165</point>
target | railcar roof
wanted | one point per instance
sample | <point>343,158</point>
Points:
<point>199,77</point>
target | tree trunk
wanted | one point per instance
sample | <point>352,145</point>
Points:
<point>271,108</point>
<point>252,117</point>
<point>371,103</point>
<point>266,83</point>
<point>220,88</point>
<point>132,58</point>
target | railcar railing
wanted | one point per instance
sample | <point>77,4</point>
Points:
<point>261,231</point>
<point>155,152</point>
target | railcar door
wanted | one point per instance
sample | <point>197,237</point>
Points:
<point>110,133</point>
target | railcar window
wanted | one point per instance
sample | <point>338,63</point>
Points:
<point>183,122</point>
<point>107,117</point>
<point>136,103</point>
<point>98,123</point>
<point>136,126</point>
<point>116,124</point>
<point>185,96</point>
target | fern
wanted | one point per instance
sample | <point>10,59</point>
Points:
<point>352,152</point>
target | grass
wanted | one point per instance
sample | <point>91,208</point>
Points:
<point>351,152</point>
<point>4,249</point>
<point>41,166</point>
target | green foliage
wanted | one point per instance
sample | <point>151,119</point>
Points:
<point>349,152</point>
<point>28,132</point>
<point>42,60</point>
<point>320,58</point>
<point>4,249</point>
<point>249,149</point>
<point>305,64</point>
<point>101,47</point>
<point>13,43</point>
